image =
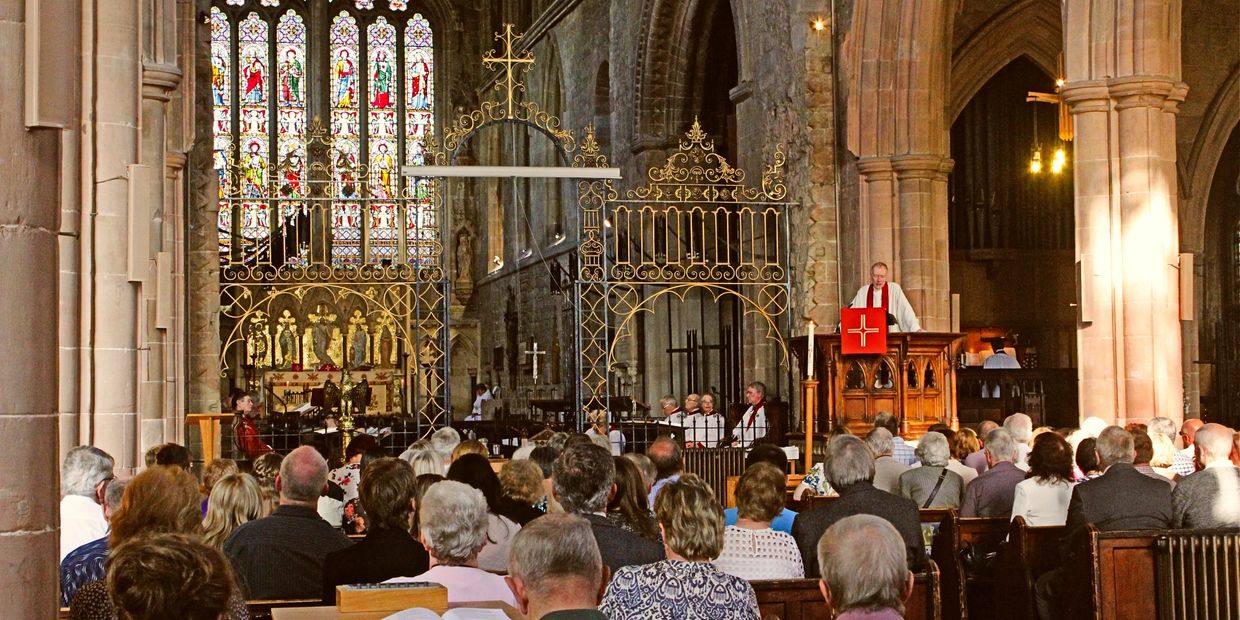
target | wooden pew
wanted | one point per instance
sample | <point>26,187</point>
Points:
<point>1153,574</point>
<point>965,595</point>
<point>1028,554</point>
<point>801,599</point>
<point>261,609</point>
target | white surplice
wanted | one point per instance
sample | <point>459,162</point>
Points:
<point>897,306</point>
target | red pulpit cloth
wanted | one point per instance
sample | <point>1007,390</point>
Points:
<point>863,331</point>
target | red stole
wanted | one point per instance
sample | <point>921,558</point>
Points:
<point>753,413</point>
<point>869,299</point>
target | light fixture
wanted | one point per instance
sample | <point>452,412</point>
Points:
<point>497,261</point>
<point>819,24</point>
<point>1059,160</point>
<point>1035,164</point>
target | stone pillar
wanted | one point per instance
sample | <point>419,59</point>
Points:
<point>1124,103</point>
<point>112,373</point>
<point>30,204</point>
<point>879,215</point>
<point>202,259</point>
<point>923,266</point>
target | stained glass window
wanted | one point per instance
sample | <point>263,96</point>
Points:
<point>377,99</point>
<point>291,133</point>
<point>421,227</point>
<point>346,134</point>
<point>221,97</point>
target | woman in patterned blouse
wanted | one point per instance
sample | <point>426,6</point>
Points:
<point>751,549</point>
<point>685,585</point>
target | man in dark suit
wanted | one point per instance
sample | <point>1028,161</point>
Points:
<point>584,481</point>
<point>849,468</point>
<point>387,491</point>
<point>1209,498</point>
<point>1122,498</point>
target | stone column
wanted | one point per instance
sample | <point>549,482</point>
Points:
<point>30,204</point>
<point>923,266</point>
<point>879,215</point>
<point>112,372</point>
<point>1122,85</point>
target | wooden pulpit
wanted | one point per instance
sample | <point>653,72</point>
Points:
<point>915,379</point>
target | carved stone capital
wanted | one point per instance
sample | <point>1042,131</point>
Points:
<point>1086,96</point>
<point>922,166</point>
<point>159,80</point>
<point>875,168</point>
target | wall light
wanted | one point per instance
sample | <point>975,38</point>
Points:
<point>819,24</point>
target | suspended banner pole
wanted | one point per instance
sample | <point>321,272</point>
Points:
<point>505,172</point>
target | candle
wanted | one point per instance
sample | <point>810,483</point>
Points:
<point>809,357</point>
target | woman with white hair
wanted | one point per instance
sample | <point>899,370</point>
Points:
<point>933,485</point>
<point>424,458</point>
<point>452,525</point>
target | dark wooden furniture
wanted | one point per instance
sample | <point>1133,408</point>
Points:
<point>915,380</point>
<point>801,599</point>
<point>261,610</point>
<point>962,548</point>
<point>1028,553</point>
<point>1048,395</point>
<point>1153,574</point>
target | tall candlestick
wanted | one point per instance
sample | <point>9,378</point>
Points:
<point>809,357</point>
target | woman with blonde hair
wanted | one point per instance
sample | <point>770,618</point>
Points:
<point>692,524</point>
<point>521,481</point>
<point>235,500</point>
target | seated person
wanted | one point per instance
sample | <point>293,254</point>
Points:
<point>865,572</point>
<point>452,523</point>
<point>584,479</point>
<point>87,563</point>
<point>692,524</point>
<point>704,428</point>
<point>850,470</point>
<point>932,485</point>
<point>774,455</point>
<point>1042,498</point>
<point>991,493</point>
<point>387,492</point>
<point>555,570</point>
<point>1209,498</point>
<point>504,516</point>
<point>751,549</point>
<point>752,425</point>
<point>169,576</point>
<point>628,509</point>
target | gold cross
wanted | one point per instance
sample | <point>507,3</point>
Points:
<point>512,64</point>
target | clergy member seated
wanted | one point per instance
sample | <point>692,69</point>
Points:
<point>281,556</point>
<point>452,523</point>
<point>850,470</point>
<point>704,428</point>
<point>84,476</point>
<point>992,493</point>
<point>555,570</point>
<point>686,584</point>
<point>584,481</point>
<point>1122,498</point>
<point>999,359</point>
<point>387,493</point>
<point>753,424</point>
<point>865,571</point>
<point>1209,498</point>
<point>880,293</point>
<point>672,413</point>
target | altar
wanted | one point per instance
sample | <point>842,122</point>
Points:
<point>293,390</point>
<point>915,379</point>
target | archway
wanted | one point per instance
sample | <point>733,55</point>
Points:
<point>1219,328</point>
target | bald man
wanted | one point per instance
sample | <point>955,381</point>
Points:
<point>281,556</point>
<point>1209,498</point>
<point>1183,464</point>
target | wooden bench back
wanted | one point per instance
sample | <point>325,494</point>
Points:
<point>261,609</point>
<point>801,599</point>
<point>960,592</point>
<point>1028,553</point>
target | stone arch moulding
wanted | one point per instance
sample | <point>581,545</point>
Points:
<point>657,75</point>
<point>1197,173</point>
<point>1030,28</point>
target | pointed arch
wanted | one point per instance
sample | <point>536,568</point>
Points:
<point>1030,28</point>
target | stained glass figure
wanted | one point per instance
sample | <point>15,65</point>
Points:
<point>345,88</point>
<point>420,228</point>
<point>221,98</point>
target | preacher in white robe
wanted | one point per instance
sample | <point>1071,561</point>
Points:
<point>871,296</point>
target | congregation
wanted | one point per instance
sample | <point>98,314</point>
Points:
<point>573,531</point>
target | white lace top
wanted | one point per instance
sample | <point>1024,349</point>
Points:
<point>760,554</point>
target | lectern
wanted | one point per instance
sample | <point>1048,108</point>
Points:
<point>915,378</point>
